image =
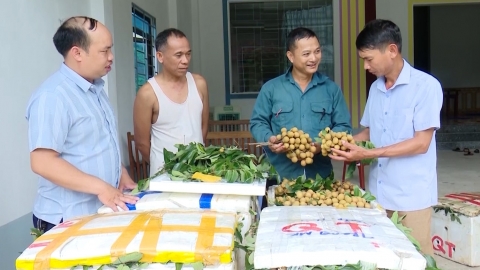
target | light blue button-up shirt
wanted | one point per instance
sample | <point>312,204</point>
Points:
<point>412,104</point>
<point>72,116</point>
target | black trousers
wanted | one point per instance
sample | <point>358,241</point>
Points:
<point>42,225</point>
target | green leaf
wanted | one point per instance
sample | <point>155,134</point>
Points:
<point>86,267</point>
<point>357,192</point>
<point>130,257</point>
<point>123,267</point>
<point>178,266</point>
<point>197,266</point>
<point>394,217</point>
<point>242,175</point>
<point>368,197</point>
<point>177,174</point>
<point>144,265</point>
<point>350,170</point>
<point>250,258</point>
<point>238,233</point>
<point>430,261</point>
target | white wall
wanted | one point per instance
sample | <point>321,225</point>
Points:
<point>31,54</point>
<point>123,72</point>
<point>396,11</point>
<point>27,58</point>
<point>454,46</point>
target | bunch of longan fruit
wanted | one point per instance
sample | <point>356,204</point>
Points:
<point>331,139</point>
<point>298,144</point>
<point>341,196</point>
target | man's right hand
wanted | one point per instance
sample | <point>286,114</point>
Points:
<point>114,198</point>
<point>275,146</point>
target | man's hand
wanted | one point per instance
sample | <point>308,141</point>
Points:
<point>318,147</point>
<point>126,182</point>
<point>275,146</point>
<point>114,198</point>
<point>356,153</point>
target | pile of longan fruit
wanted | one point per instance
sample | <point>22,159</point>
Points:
<point>331,139</point>
<point>299,145</point>
<point>341,196</point>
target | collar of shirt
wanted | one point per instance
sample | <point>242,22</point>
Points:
<point>317,78</point>
<point>403,78</point>
<point>80,81</point>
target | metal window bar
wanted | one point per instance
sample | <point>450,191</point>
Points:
<point>257,39</point>
<point>144,33</point>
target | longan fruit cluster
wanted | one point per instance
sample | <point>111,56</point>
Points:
<point>331,139</point>
<point>298,144</point>
<point>341,196</point>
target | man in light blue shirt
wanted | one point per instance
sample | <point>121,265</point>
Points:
<point>73,133</point>
<point>401,116</point>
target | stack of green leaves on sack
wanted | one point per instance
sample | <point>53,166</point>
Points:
<point>230,163</point>
<point>322,192</point>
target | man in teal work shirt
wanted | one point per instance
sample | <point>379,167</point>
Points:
<point>302,98</point>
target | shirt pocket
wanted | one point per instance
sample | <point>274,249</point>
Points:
<point>282,115</point>
<point>401,124</point>
<point>321,114</point>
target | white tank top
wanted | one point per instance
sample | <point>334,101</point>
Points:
<point>177,123</point>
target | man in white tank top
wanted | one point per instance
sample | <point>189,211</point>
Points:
<point>172,107</point>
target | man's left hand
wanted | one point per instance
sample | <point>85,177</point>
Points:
<point>356,153</point>
<point>126,182</point>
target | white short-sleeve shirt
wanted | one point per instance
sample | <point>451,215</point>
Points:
<point>413,103</point>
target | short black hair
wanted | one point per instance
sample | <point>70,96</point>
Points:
<point>162,37</point>
<point>296,34</point>
<point>378,34</point>
<point>73,33</point>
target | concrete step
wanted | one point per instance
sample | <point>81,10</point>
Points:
<point>472,145</point>
<point>458,136</point>
<point>455,128</point>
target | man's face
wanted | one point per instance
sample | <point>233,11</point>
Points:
<point>377,61</point>
<point>175,56</point>
<point>306,55</point>
<point>99,59</point>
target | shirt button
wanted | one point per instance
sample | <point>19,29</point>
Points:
<point>386,113</point>
<point>384,130</point>
<point>379,182</point>
<point>379,165</point>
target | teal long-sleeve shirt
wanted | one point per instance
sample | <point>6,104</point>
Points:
<point>281,103</point>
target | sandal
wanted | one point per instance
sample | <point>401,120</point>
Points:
<point>456,150</point>
<point>476,151</point>
<point>466,152</point>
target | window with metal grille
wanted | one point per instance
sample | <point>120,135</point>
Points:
<point>144,33</point>
<point>257,37</point>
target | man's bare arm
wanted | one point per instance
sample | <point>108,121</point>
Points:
<point>48,164</point>
<point>417,145</point>
<point>363,135</point>
<point>203,90</point>
<point>142,119</point>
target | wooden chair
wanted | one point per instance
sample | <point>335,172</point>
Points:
<point>228,126</point>
<point>361,173</point>
<point>139,168</point>
<point>236,138</point>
